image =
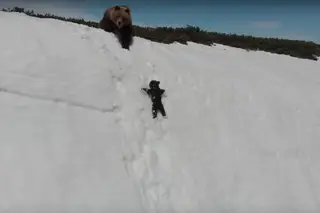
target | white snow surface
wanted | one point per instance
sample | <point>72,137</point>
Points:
<point>76,133</point>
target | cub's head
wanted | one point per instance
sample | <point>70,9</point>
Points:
<point>121,16</point>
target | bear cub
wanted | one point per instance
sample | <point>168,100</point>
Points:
<point>155,93</point>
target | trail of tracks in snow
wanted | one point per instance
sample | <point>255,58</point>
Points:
<point>142,135</point>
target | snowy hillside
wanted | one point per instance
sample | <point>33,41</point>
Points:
<point>76,133</point>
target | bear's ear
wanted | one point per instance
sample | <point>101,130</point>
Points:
<point>117,7</point>
<point>127,10</point>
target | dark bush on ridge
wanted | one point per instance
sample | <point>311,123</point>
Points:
<point>167,35</point>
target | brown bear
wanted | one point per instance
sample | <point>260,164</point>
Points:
<point>117,19</point>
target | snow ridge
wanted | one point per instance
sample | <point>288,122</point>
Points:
<point>59,100</point>
<point>77,135</point>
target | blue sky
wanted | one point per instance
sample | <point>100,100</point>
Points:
<point>295,19</point>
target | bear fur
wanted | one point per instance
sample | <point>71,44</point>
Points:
<point>118,20</point>
<point>155,94</point>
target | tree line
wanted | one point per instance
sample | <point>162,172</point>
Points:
<point>168,35</point>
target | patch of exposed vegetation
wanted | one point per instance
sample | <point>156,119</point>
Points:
<point>167,35</point>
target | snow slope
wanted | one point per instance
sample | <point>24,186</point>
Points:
<point>76,133</point>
